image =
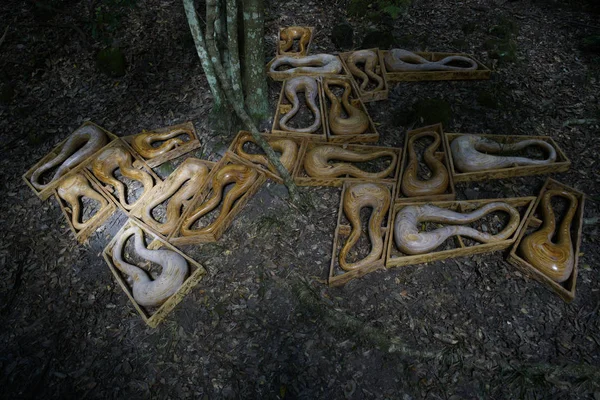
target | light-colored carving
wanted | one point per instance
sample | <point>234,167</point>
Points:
<point>356,121</point>
<point>143,142</point>
<point>316,162</point>
<point>399,60</point>
<point>412,186</point>
<point>71,190</point>
<point>289,34</point>
<point>287,147</point>
<point>307,85</point>
<point>370,60</point>
<point>315,64</point>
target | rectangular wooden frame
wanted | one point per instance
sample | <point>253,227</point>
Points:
<point>373,95</point>
<point>297,54</point>
<point>482,72</point>
<point>343,230</point>
<point>561,164</point>
<point>566,291</point>
<point>450,192</point>
<point>161,313</point>
<point>200,197</point>
<point>49,190</point>
<point>269,137</point>
<point>137,163</point>
<point>462,249</point>
<point>281,76</point>
<point>302,179</point>
<point>188,146</point>
<point>96,220</point>
<point>283,107</point>
<point>369,136</point>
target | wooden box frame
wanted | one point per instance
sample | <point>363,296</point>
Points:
<point>482,72</point>
<point>373,95</point>
<point>188,146</point>
<point>369,136</point>
<point>302,179</point>
<point>49,190</point>
<point>281,76</point>
<point>96,220</point>
<point>138,163</point>
<point>269,137</point>
<point>451,191</point>
<point>200,197</point>
<point>561,164</point>
<point>297,54</point>
<point>566,291</point>
<point>341,233</point>
<point>283,107</point>
<point>197,271</point>
<point>462,250</point>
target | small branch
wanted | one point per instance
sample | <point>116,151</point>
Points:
<point>580,122</point>
<point>4,35</point>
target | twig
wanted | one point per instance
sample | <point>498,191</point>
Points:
<point>4,35</point>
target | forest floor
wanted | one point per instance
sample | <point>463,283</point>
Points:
<point>261,324</point>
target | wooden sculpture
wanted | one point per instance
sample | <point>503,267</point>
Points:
<point>241,176</point>
<point>555,259</point>
<point>287,147</point>
<point>316,162</point>
<point>315,64</point>
<point>410,241</point>
<point>143,142</point>
<point>71,190</point>
<point>358,197</point>
<point>356,121</point>
<point>412,186</point>
<point>307,85</point>
<point>289,34</point>
<point>180,187</point>
<point>117,157</point>
<point>469,153</point>
<point>370,60</point>
<point>82,143</point>
<point>148,292</point>
<point>399,60</point>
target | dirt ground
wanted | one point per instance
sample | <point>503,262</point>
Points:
<point>262,325</point>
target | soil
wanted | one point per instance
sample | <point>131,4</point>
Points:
<point>262,324</point>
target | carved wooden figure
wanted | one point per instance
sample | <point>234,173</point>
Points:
<point>143,142</point>
<point>287,36</point>
<point>370,60</point>
<point>399,60</point>
<point>308,85</point>
<point>355,122</point>
<point>72,190</point>
<point>411,185</point>
<point>287,147</point>
<point>316,162</point>
<point>315,64</point>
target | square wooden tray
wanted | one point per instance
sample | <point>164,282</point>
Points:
<point>297,53</point>
<point>281,76</point>
<point>373,95</point>
<point>566,290</point>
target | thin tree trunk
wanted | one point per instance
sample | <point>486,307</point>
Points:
<point>234,54</point>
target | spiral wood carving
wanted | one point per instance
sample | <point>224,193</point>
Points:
<point>410,241</point>
<point>412,186</point>
<point>287,147</point>
<point>71,190</point>
<point>398,60</point>
<point>307,85</point>
<point>180,187</point>
<point>143,142</point>
<point>469,153</point>
<point>356,121</point>
<point>289,34</point>
<point>356,198</point>
<point>241,176</point>
<point>370,60</point>
<point>555,259</point>
<point>315,64</point>
<point>71,154</point>
<point>148,292</point>
<point>316,162</point>
<point>117,157</point>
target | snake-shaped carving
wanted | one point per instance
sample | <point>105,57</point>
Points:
<point>289,34</point>
<point>142,142</point>
<point>398,60</point>
<point>356,121</point>
<point>241,176</point>
<point>287,147</point>
<point>356,198</point>
<point>148,292</point>
<point>370,59</point>
<point>315,64</point>
<point>71,190</point>
<point>555,259</point>
<point>469,153</point>
<point>180,187</point>
<point>316,162</point>
<point>82,143</point>
<point>117,157</point>
<point>412,186</point>
<point>307,85</point>
<point>410,241</point>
